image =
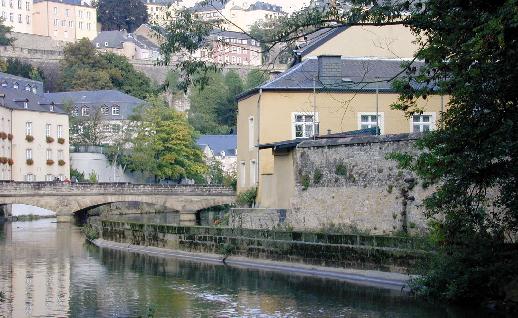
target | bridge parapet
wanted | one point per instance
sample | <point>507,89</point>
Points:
<point>41,188</point>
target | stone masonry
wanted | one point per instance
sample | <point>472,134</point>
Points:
<point>350,184</point>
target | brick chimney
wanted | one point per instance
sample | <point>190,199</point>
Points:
<point>330,69</point>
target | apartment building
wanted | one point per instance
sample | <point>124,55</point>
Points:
<point>17,14</point>
<point>65,20</point>
<point>33,133</point>
<point>130,45</point>
<point>231,48</point>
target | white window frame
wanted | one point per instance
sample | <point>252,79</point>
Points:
<point>253,172</point>
<point>251,132</point>
<point>28,154</point>
<point>381,120</point>
<point>116,110</point>
<point>49,154</point>
<point>30,177</point>
<point>49,177</point>
<point>28,128</point>
<point>85,111</point>
<point>60,131</point>
<point>433,116</point>
<point>48,130</point>
<point>294,123</point>
<point>61,154</point>
<point>242,173</point>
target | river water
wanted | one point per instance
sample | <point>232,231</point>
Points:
<point>48,270</point>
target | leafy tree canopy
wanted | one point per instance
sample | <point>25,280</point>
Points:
<point>86,69</point>
<point>5,39</point>
<point>15,66</point>
<point>121,15</point>
<point>165,145</point>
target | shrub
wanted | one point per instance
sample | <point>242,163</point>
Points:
<point>10,162</point>
<point>29,162</point>
<point>49,140</point>
<point>91,232</point>
<point>61,141</point>
<point>29,138</point>
<point>61,162</point>
<point>317,176</point>
<point>247,197</point>
<point>50,162</point>
<point>305,180</point>
<point>10,136</point>
<point>341,169</point>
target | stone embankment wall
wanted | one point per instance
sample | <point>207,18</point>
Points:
<point>350,184</point>
<point>395,254</point>
<point>256,218</point>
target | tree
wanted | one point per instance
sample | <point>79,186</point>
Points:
<point>86,69</point>
<point>121,15</point>
<point>165,145</point>
<point>86,131</point>
<point>255,78</point>
<point>5,39</point>
<point>15,66</point>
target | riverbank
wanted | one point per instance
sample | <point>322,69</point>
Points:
<point>396,281</point>
<point>26,218</point>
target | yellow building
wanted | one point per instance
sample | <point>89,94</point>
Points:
<point>33,133</point>
<point>65,20</point>
<point>17,14</point>
<point>325,94</point>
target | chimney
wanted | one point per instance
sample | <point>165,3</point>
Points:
<point>330,69</point>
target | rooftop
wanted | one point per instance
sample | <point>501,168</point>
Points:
<point>335,73</point>
<point>115,39</point>
<point>24,100</point>
<point>219,143</point>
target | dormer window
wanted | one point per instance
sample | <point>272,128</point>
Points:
<point>75,112</point>
<point>15,85</point>
<point>34,90</point>
<point>116,110</point>
<point>105,110</point>
<point>25,104</point>
<point>51,107</point>
<point>106,44</point>
<point>28,88</point>
<point>85,111</point>
<point>97,44</point>
<point>4,84</point>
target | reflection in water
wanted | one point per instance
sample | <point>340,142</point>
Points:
<point>48,270</point>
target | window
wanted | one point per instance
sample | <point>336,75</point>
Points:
<point>28,128</point>
<point>60,131</point>
<point>81,25</point>
<point>371,120</point>
<point>251,132</point>
<point>242,167</point>
<point>55,10</point>
<point>49,177</point>
<point>116,128</point>
<point>61,177</point>
<point>15,85</point>
<point>49,154</point>
<point>88,15</point>
<point>19,4</point>
<point>253,172</point>
<point>56,22</point>
<point>303,125</point>
<point>85,111</point>
<point>423,122</point>
<point>27,6</point>
<point>25,104</point>
<point>30,177</point>
<point>116,110</point>
<point>105,110</point>
<point>97,44</point>
<point>67,11</point>
<point>66,34</point>
<point>75,112</point>
<point>28,154</point>
<point>19,18</point>
<point>106,128</point>
<point>47,130</point>
<point>61,155</point>
<point>28,19</point>
<point>88,26</point>
<point>81,14</point>
<point>70,24</point>
<point>63,23</point>
<point>51,107</point>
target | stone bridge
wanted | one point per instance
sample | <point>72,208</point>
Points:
<point>67,199</point>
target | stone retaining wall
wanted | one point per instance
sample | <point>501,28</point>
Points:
<point>256,218</point>
<point>349,183</point>
<point>394,254</point>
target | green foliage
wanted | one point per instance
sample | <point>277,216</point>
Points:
<point>255,78</point>
<point>341,169</point>
<point>92,177</point>
<point>78,175</point>
<point>91,232</point>
<point>317,176</point>
<point>227,249</point>
<point>213,106</point>
<point>86,69</point>
<point>165,145</point>
<point>5,39</point>
<point>247,198</point>
<point>15,66</point>
<point>305,181</point>
<point>121,15</point>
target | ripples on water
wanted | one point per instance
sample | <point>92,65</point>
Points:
<point>47,270</point>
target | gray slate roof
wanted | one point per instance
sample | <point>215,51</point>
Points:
<point>8,80</point>
<point>210,6</point>
<point>219,143</point>
<point>340,74</point>
<point>115,39</point>
<point>72,2</point>
<point>318,38</point>
<point>15,99</point>
<point>97,99</point>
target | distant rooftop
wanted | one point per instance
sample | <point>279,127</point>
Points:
<point>115,40</point>
<point>219,143</point>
